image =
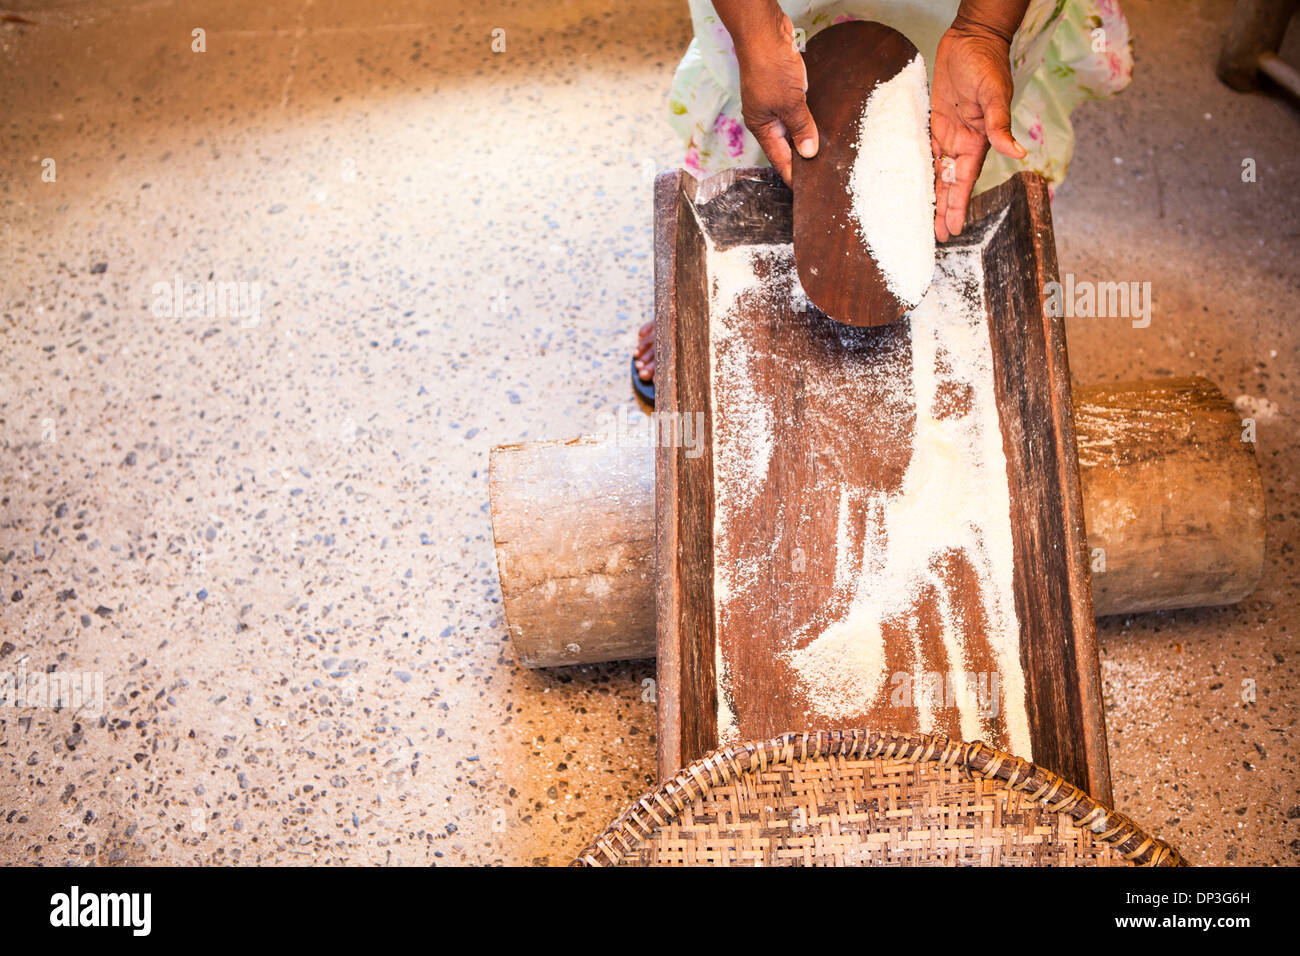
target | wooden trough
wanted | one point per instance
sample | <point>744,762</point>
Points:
<point>856,441</point>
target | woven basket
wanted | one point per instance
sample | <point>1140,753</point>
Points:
<point>864,798</point>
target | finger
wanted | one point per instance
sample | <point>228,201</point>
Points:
<point>968,170</point>
<point>771,137</point>
<point>941,178</point>
<point>941,224</point>
<point>997,126</point>
<point>803,131</point>
<point>941,213</point>
<point>799,121</point>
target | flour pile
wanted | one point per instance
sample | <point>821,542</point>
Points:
<point>891,184</point>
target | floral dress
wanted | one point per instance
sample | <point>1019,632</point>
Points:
<point>1065,52</point>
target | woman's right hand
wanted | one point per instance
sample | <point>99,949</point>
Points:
<point>773,85</point>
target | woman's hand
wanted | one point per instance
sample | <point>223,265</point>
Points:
<point>773,86</point>
<point>970,108</point>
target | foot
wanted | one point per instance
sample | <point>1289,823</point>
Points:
<point>645,352</point>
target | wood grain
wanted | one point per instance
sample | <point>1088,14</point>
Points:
<point>687,690</point>
<point>1058,644</point>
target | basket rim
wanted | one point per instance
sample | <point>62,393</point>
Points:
<point>666,802</point>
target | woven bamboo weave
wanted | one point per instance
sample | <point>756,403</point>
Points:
<point>865,798</point>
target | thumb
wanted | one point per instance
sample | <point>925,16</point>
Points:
<point>803,131</point>
<point>997,126</point>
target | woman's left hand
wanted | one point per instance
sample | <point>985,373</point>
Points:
<point>970,108</point>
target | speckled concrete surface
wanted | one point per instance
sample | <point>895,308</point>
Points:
<point>269,533</point>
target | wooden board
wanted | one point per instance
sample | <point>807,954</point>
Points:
<point>845,63</point>
<point>791,524</point>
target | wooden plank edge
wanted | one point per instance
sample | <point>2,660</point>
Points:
<point>668,191</point>
<point>1082,618</point>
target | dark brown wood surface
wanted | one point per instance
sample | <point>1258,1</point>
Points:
<point>790,528</point>
<point>1058,646</point>
<point>845,62</point>
<point>686,688</point>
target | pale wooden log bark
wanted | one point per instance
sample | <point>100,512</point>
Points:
<point>1172,496</point>
<point>573,522</point>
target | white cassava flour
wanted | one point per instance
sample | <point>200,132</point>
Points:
<point>891,185</point>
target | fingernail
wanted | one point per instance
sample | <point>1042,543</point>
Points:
<point>808,148</point>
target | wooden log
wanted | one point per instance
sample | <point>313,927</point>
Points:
<point>1255,34</point>
<point>573,523</point>
<point>1172,496</point>
<point>1172,500</point>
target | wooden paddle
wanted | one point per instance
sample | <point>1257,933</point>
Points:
<point>844,62</point>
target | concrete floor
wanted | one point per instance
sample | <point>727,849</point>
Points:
<point>271,537</point>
